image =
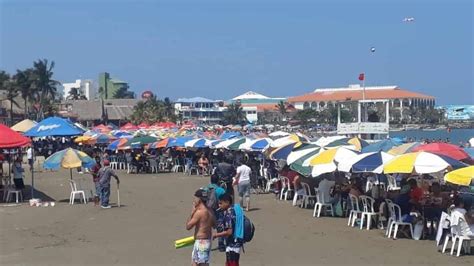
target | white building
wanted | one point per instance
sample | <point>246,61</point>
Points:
<point>86,87</point>
<point>199,109</point>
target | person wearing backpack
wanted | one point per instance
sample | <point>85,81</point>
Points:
<point>237,229</point>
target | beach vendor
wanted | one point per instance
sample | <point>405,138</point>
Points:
<point>105,174</point>
<point>202,220</point>
<point>95,178</point>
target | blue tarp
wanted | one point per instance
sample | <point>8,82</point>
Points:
<point>54,126</point>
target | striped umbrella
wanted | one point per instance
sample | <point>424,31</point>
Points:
<point>404,148</point>
<point>383,145</point>
<point>69,159</point>
<point>301,151</point>
<point>421,163</point>
<point>298,166</point>
<point>356,142</point>
<point>115,145</point>
<point>371,162</point>
<point>282,152</point>
<point>198,143</point>
<point>327,161</point>
<point>260,144</point>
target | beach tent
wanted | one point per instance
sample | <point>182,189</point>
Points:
<point>24,125</point>
<point>128,127</point>
<point>54,126</point>
<point>11,139</point>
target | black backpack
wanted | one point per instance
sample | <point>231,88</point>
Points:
<point>249,230</point>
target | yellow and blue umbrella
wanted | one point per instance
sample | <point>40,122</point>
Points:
<point>421,163</point>
<point>356,142</point>
<point>404,148</point>
<point>69,159</point>
<point>462,176</point>
<point>371,162</point>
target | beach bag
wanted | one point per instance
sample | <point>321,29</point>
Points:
<point>249,230</point>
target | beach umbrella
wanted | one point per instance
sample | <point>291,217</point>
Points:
<point>179,141</point>
<point>138,142</point>
<point>129,127</point>
<point>226,143</point>
<point>421,163</point>
<point>356,142</point>
<point>404,148</point>
<point>83,139</point>
<point>68,158</point>
<point>102,128</point>
<point>371,162</point>
<point>462,176</point>
<point>298,166</point>
<point>278,134</point>
<point>117,144</point>
<point>323,141</point>
<point>197,143</point>
<point>447,149</point>
<point>54,126</point>
<point>230,134</point>
<point>327,161</point>
<point>383,145</point>
<point>235,146</point>
<point>282,152</point>
<point>260,144</point>
<point>11,139</point>
<point>102,139</point>
<point>143,125</point>
<point>470,151</point>
<point>160,144</point>
<point>301,151</point>
<point>293,138</point>
<point>24,125</point>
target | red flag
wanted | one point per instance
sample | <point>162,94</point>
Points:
<point>361,76</point>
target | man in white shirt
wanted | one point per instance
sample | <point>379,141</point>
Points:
<point>242,180</point>
<point>29,156</point>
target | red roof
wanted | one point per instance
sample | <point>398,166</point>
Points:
<point>353,95</point>
<point>267,106</point>
<point>11,139</point>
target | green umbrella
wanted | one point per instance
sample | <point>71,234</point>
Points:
<point>235,146</point>
<point>137,142</point>
<point>298,164</point>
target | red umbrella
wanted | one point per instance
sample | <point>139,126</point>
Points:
<point>450,150</point>
<point>143,125</point>
<point>102,128</point>
<point>129,126</point>
<point>11,139</point>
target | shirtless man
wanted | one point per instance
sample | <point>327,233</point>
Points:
<point>203,221</point>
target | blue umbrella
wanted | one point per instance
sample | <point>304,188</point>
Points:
<point>258,144</point>
<point>383,145</point>
<point>197,143</point>
<point>54,126</point>
<point>179,141</point>
<point>283,152</point>
<point>68,158</point>
<point>470,151</point>
<point>366,163</point>
<point>230,134</point>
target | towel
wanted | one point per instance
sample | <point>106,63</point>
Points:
<point>239,222</point>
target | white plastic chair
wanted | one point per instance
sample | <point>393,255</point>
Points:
<point>392,183</point>
<point>285,188</point>
<point>449,236</point>
<point>463,234</point>
<point>177,167</point>
<point>75,192</point>
<point>355,211</point>
<point>367,211</point>
<point>113,162</point>
<point>11,190</point>
<point>308,196</point>
<point>321,204</point>
<point>397,221</point>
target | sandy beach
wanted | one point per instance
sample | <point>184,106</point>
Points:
<point>153,213</point>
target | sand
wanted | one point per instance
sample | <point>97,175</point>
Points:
<point>153,214</point>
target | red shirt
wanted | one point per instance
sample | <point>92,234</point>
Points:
<point>416,194</point>
<point>95,170</point>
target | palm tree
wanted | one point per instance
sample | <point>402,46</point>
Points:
<point>75,94</point>
<point>8,85</point>
<point>282,109</point>
<point>234,114</point>
<point>43,81</point>
<point>123,93</point>
<point>24,83</point>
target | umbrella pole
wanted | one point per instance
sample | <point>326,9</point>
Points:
<point>33,173</point>
<point>70,171</point>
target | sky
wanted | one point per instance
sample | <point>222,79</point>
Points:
<point>220,49</point>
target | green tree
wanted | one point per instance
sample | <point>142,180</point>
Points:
<point>7,84</point>
<point>282,110</point>
<point>24,82</point>
<point>306,116</point>
<point>234,114</point>
<point>45,84</point>
<point>150,111</point>
<point>123,93</point>
<point>264,117</point>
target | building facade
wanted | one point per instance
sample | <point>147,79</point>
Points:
<point>85,87</point>
<point>398,98</point>
<point>254,103</point>
<point>109,86</point>
<point>200,109</point>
